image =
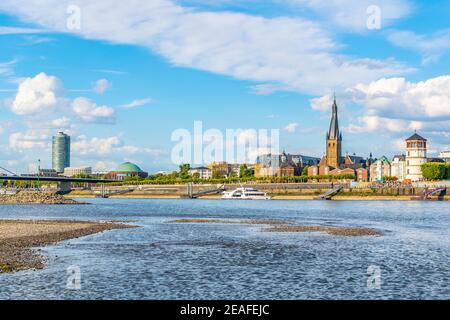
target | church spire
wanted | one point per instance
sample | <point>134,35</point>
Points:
<point>333,132</point>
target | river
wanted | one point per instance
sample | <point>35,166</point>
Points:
<point>164,260</point>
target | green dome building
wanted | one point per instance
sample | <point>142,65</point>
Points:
<point>126,170</point>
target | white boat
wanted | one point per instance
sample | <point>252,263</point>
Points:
<point>243,193</point>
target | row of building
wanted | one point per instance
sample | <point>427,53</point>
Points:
<point>61,164</point>
<point>404,167</point>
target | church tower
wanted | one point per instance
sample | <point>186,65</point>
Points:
<point>334,140</point>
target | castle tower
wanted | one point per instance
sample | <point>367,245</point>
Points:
<point>416,155</point>
<point>334,140</point>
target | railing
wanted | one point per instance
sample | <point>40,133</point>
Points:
<point>329,194</point>
<point>193,195</point>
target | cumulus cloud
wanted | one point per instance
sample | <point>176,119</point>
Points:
<point>43,95</point>
<point>39,94</point>
<point>402,99</point>
<point>102,85</point>
<point>383,125</point>
<point>291,127</point>
<point>89,111</point>
<point>292,52</point>
<point>396,106</point>
<point>137,103</point>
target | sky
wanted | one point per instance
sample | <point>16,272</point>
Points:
<point>122,76</point>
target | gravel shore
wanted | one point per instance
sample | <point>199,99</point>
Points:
<point>35,197</point>
<point>18,238</point>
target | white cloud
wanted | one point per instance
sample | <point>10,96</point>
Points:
<point>383,125</point>
<point>104,166</point>
<point>39,94</point>
<point>401,99</point>
<point>397,106</point>
<point>63,122</point>
<point>89,111</point>
<point>323,103</point>
<point>28,140</point>
<point>431,47</point>
<point>6,68</point>
<point>352,14</point>
<point>82,145</point>
<point>43,95</point>
<point>294,53</point>
<point>266,89</point>
<point>113,72</point>
<point>100,146</point>
<point>102,85</point>
<point>137,103</point>
<point>291,127</point>
<point>18,30</point>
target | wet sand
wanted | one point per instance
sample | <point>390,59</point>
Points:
<point>18,238</point>
<point>287,226</point>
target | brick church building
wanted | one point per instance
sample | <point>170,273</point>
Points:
<point>333,163</point>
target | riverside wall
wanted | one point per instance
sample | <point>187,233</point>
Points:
<point>277,190</point>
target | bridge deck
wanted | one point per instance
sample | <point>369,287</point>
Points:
<point>55,179</point>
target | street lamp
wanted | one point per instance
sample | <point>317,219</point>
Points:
<point>39,173</point>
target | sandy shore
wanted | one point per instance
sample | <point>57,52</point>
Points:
<point>18,238</point>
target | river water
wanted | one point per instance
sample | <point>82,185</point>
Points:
<point>164,260</point>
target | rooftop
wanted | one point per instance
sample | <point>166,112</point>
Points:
<point>415,136</point>
<point>128,167</point>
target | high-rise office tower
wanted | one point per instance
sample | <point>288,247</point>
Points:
<point>61,152</point>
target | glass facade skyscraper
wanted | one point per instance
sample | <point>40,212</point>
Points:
<point>61,152</point>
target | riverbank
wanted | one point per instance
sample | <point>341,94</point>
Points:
<point>278,191</point>
<point>19,237</point>
<point>35,197</point>
<point>368,197</point>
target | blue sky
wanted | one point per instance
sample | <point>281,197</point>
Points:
<point>133,73</point>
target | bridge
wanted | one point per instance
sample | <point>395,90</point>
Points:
<point>427,193</point>
<point>64,182</point>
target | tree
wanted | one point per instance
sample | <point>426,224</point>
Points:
<point>305,171</point>
<point>447,171</point>
<point>217,175</point>
<point>184,171</point>
<point>434,170</point>
<point>245,172</point>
